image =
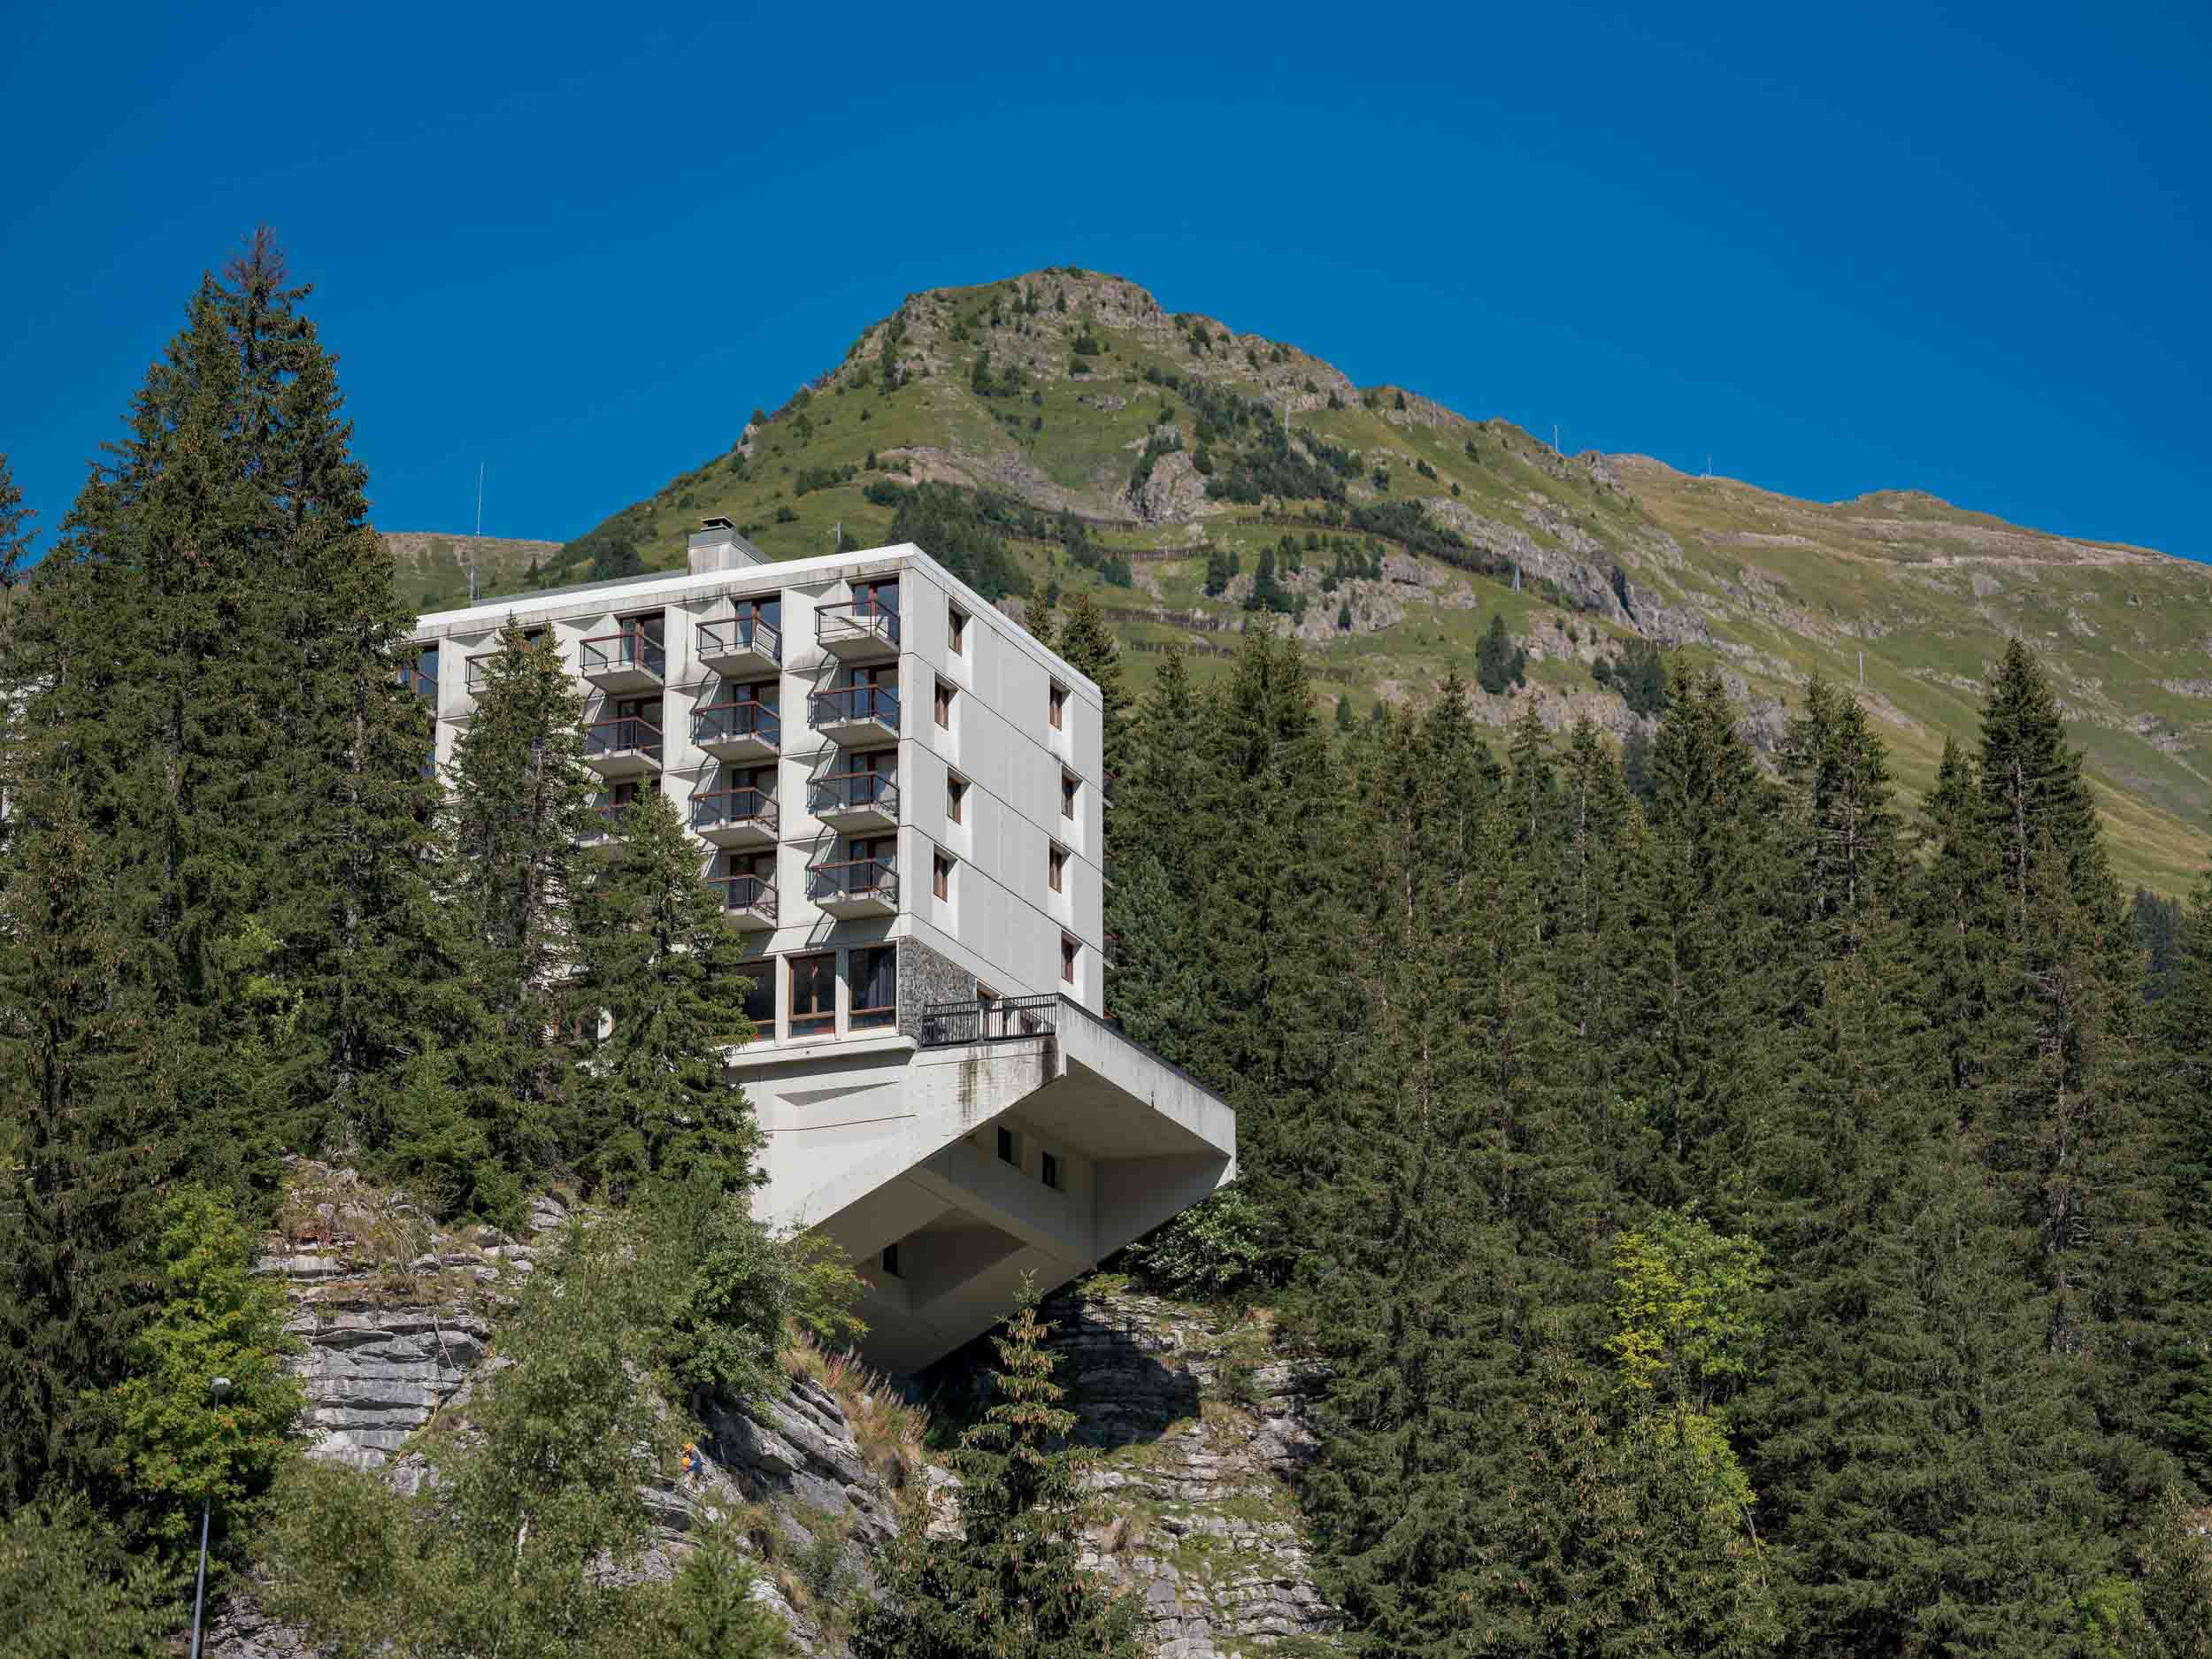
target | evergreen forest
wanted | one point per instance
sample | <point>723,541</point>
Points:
<point>1731,1213</point>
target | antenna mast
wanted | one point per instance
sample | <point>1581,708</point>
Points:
<point>476,547</point>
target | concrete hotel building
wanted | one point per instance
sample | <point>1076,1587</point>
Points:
<point>895,791</point>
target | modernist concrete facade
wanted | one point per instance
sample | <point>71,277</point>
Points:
<point>896,791</point>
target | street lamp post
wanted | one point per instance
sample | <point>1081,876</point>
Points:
<point>216,1390</point>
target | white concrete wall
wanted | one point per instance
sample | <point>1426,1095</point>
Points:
<point>1003,924</point>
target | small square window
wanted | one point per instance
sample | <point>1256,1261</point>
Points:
<point>956,628</point>
<point>1069,949</point>
<point>1010,1147</point>
<point>891,1261</point>
<point>1049,1171</point>
<point>1056,867</point>
<point>956,797</point>
<point>1068,786</point>
<point>944,703</point>
<point>940,876</point>
<point>1057,707</point>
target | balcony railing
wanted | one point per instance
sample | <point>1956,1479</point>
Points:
<point>746,635</point>
<point>752,895</point>
<point>479,669</point>
<point>953,1024</point>
<point>607,819</point>
<point>852,791</point>
<point>632,648</point>
<point>724,722</point>
<point>854,878</point>
<point>632,733</point>
<point>421,684</point>
<point>846,703</point>
<point>859,622</point>
<point>724,809</point>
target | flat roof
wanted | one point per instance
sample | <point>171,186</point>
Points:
<point>675,586</point>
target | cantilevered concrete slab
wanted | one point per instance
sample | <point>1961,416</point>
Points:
<point>1039,1153</point>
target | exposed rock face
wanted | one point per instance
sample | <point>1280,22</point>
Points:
<point>1201,1429</point>
<point>1173,494</point>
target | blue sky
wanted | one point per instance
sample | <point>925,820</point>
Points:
<point>1966,250</point>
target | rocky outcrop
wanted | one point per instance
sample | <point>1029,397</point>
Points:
<point>1174,493</point>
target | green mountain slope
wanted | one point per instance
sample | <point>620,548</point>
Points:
<point>1110,445</point>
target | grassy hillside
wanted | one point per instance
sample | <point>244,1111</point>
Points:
<point>1119,448</point>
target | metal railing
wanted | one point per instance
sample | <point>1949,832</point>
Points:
<point>850,791</point>
<point>724,809</point>
<point>953,1024</point>
<point>421,684</point>
<point>632,648</point>
<point>854,878</point>
<point>742,894</point>
<point>609,814</point>
<point>720,722</point>
<point>633,733</point>
<point>856,620</point>
<point>843,703</point>
<point>732,634</point>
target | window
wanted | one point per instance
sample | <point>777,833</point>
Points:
<point>814,995</point>
<point>1068,950</point>
<point>1049,1171</point>
<point>944,703</point>
<point>956,797</point>
<point>891,1261</point>
<point>883,595</point>
<point>875,987</point>
<point>1055,868</point>
<point>1010,1147</point>
<point>760,997</point>
<point>956,628</point>
<point>1068,786</point>
<point>940,876</point>
<point>1057,706</point>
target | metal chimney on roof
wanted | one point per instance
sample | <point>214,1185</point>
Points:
<point>716,546</point>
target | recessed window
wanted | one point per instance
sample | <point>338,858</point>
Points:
<point>1069,950</point>
<point>891,1261</point>
<point>814,995</point>
<point>875,987</point>
<point>1010,1147</point>
<point>760,997</point>
<point>1068,786</point>
<point>1057,706</point>
<point>1055,868</point>
<point>940,876</point>
<point>956,797</point>
<point>944,703</point>
<point>956,628</point>
<point>1048,1171</point>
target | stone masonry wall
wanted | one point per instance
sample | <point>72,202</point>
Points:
<point>927,976</point>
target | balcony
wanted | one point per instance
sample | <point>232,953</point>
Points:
<point>737,731</point>
<point>748,903</point>
<point>850,801</point>
<point>740,648</point>
<point>856,888</point>
<point>423,685</point>
<point>629,747</point>
<point>631,660</point>
<point>605,835</point>
<point>956,1024</point>
<point>735,817</point>
<point>858,632</point>
<point>855,715</point>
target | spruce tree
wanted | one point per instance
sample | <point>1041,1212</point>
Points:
<point>15,547</point>
<point>1089,644</point>
<point>1013,1585</point>
<point>2182,1128</point>
<point>519,806</point>
<point>1704,1051</point>
<point>658,998</point>
<point>91,1133</point>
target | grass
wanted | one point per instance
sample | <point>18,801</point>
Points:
<point>1929,591</point>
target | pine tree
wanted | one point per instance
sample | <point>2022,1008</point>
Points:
<point>2183,1145</point>
<point>659,995</point>
<point>1013,1585</point>
<point>519,806</point>
<point>15,547</point>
